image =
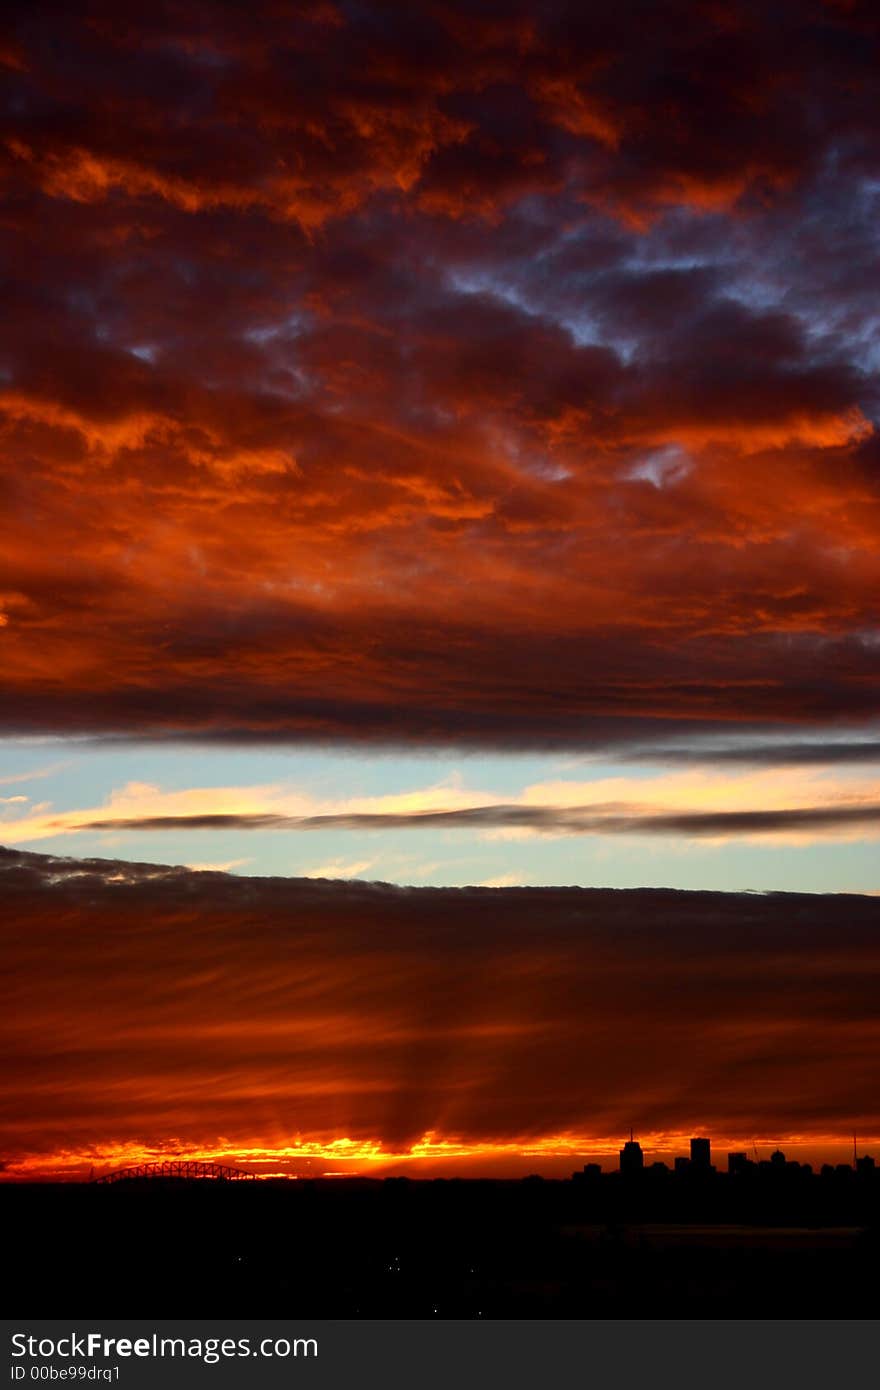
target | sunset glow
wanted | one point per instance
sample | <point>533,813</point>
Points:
<point>554,1156</point>
<point>301,1025</point>
<point>439,491</point>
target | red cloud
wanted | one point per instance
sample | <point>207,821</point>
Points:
<point>438,380</point>
<point>160,1007</point>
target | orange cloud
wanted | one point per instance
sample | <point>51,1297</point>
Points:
<point>294,447</point>
<point>162,1011</point>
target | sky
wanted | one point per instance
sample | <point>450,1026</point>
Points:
<point>301,1027</point>
<point>440,449</point>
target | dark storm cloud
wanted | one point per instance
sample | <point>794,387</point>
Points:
<point>459,375</point>
<point>148,1005</point>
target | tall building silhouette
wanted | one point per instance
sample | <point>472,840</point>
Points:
<point>632,1160</point>
<point>701,1155</point>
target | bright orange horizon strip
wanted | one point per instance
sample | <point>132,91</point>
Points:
<point>365,1156</point>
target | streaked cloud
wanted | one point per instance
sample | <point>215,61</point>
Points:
<point>614,819</point>
<point>800,803</point>
<point>151,1008</point>
<point>339,868</point>
<point>226,867</point>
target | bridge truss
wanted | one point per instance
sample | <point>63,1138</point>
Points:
<point>178,1168</point>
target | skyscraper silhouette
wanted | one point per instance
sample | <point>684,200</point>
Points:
<point>701,1155</point>
<point>632,1160</point>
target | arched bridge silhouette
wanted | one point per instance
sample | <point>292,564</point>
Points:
<point>179,1168</point>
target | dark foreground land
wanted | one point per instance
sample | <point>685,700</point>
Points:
<point>606,1248</point>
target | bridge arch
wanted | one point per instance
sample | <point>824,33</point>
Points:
<point>178,1168</point>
